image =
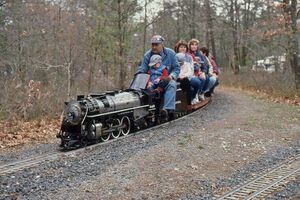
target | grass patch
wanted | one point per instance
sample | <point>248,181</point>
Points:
<point>3,115</point>
<point>184,139</point>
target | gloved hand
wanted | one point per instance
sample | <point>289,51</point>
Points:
<point>202,76</point>
<point>149,85</point>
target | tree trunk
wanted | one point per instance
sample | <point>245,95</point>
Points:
<point>244,39</point>
<point>210,28</point>
<point>121,37</point>
<point>145,26</point>
<point>69,80</point>
<point>294,50</point>
<point>193,30</point>
<point>92,68</point>
<point>234,57</point>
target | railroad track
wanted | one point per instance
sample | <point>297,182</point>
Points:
<point>34,161</point>
<point>268,183</point>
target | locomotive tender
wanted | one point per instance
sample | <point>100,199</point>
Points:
<point>102,116</point>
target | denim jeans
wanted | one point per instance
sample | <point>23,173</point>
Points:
<point>170,96</point>
<point>196,85</point>
<point>211,82</point>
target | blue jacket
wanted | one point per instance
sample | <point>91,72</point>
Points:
<point>168,59</point>
<point>156,73</point>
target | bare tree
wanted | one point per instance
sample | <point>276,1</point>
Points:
<point>294,41</point>
<point>234,13</point>
<point>210,38</point>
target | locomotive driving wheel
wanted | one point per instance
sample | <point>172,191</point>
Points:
<point>105,137</point>
<point>115,134</point>
<point>125,122</point>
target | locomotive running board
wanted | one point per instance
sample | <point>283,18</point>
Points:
<point>200,104</point>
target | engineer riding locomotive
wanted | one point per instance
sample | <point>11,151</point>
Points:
<point>102,116</point>
<point>170,61</point>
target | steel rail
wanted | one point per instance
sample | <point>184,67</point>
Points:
<point>267,183</point>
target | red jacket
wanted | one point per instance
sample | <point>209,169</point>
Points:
<point>214,64</point>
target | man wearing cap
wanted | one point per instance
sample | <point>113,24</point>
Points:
<point>170,61</point>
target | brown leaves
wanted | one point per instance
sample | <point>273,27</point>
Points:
<point>16,132</point>
<point>295,100</point>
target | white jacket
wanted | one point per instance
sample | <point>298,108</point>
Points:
<point>186,70</point>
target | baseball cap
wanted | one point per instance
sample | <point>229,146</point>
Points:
<point>155,59</point>
<point>180,57</point>
<point>157,39</point>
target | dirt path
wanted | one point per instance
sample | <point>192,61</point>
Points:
<point>184,160</point>
<point>206,151</point>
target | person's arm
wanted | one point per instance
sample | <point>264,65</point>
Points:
<point>149,83</point>
<point>210,67</point>
<point>215,66</point>
<point>175,67</point>
<point>189,59</point>
<point>197,68</point>
<point>144,67</point>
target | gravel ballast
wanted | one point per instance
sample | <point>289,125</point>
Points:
<point>207,153</point>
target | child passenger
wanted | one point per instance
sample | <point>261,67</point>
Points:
<point>158,75</point>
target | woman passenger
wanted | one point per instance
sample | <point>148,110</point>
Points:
<point>182,47</point>
<point>211,72</point>
<point>203,71</point>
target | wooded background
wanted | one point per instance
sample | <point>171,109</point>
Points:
<point>52,50</point>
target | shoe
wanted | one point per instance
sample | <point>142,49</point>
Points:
<point>201,97</point>
<point>156,94</point>
<point>163,115</point>
<point>207,94</point>
<point>171,114</point>
<point>195,100</point>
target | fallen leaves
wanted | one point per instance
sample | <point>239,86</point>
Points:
<point>17,132</point>
<point>294,100</point>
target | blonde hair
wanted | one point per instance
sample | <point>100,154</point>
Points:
<point>194,40</point>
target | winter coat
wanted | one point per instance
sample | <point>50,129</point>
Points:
<point>157,74</point>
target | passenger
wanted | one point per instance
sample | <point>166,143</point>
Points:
<point>200,68</point>
<point>169,60</point>
<point>188,82</point>
<point>182,47</point>
<point>215,70</point>
<point>211,72</point>
<point>214,64</point>
<point>158,73</point>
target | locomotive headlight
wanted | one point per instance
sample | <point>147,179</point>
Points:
<point>73,113</point>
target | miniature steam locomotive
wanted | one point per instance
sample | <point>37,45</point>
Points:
<point>102,116</point>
